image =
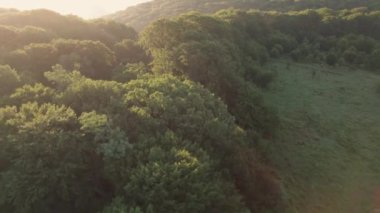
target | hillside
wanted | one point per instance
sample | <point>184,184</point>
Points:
<point>59,26</point>
<point>141,15</point>
<point>328,137</point>
<point>237,111</point>
<point>6,10</point>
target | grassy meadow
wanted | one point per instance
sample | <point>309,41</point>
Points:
<point>327,146</point>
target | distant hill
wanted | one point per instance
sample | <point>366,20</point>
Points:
<point>60,26</point>
<point>141,15</point>
<point>7,10</point>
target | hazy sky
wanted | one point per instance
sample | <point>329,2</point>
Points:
<point>83,8</point>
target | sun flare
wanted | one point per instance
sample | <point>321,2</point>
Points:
<point>83,8</point>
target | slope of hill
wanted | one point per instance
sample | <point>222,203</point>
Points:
<point>328,137</point>
<point>6,10</point>
<point>61,26</point>
<point>180,118</point>
<point>141,15</point>
<point>57,39</point>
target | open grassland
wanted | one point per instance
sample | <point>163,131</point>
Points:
<point>327,147</point>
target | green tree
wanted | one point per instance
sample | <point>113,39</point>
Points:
<point>128,51</point>
<point>88,95</point>
<point>92,58</point>
<point>9,80</point>
<point>52,164</point>
<point>32,93</point>
<point>130,72</point>
<point>188,182</point>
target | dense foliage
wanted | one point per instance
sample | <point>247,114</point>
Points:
<point>155,9</point>
<point>96,118</point>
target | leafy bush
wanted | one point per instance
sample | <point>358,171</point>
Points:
<point>264,79</point>
<point>265,192</point>
<point>276,51</point>
<point>331,59</point>
<point>296,55</point>
<point>350,55</point>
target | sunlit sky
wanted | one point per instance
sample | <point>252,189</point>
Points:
<point>83,8</point>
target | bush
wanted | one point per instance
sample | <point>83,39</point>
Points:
<point>265,192</point>
<point>331,59</point>
<point>264,79</point>
<point>350,55</point>
<point>276,51</point>
<point>296,55</point>
<point>252,113</point>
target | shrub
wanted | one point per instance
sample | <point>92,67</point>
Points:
<point>276,50</point>
<point>296,55</point>
<point>331,59</point>
<point>350,55</point>
<point>264,79</point>
<point>266,191</point>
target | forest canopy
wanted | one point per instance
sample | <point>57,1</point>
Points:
<point>154,10</point>
<point>95,117</point>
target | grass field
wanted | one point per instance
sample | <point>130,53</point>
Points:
<point>327,147</point>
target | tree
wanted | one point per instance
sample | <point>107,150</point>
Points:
<point>39,58</point>
<point>7,37</point>
<point>53,165</point>
<point>117,30</point>
<point>88,95</point>
<point>33,93</point>
<point>31,34</point>
<point>128,51</point>
<point>9,80</point>
<point>92,58</point>
<point>129,72</point>
<point>186,108</point>
<point>188,182</point>
<point>205,49</point>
